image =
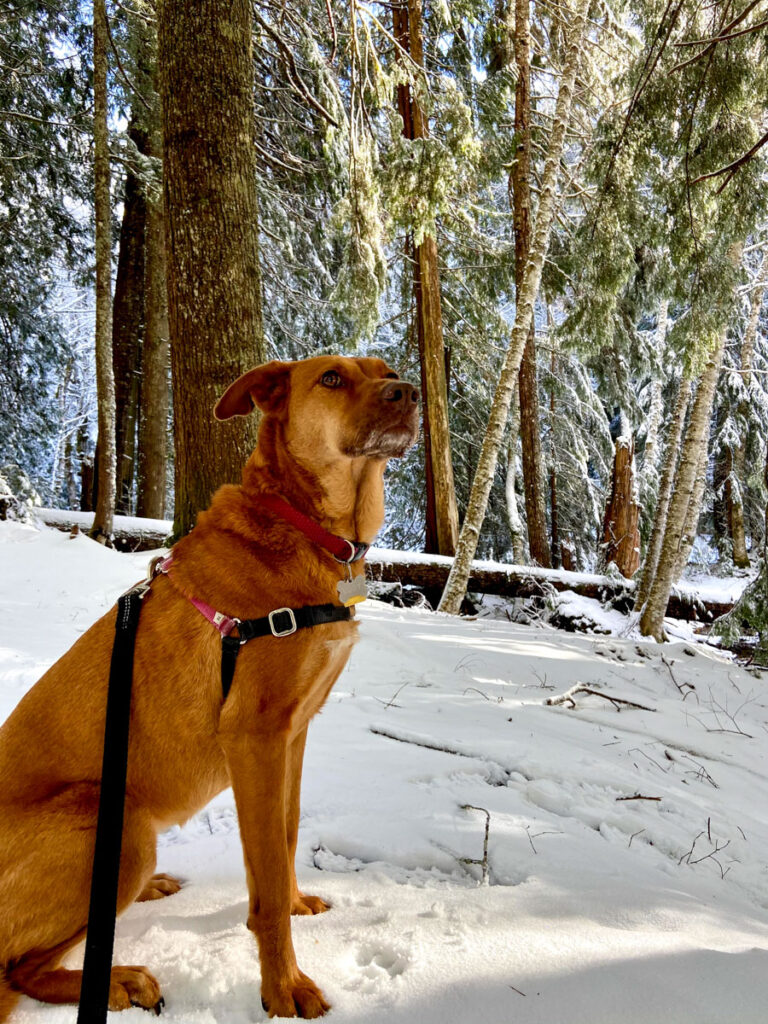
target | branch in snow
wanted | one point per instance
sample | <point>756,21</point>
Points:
<point>567,698</point>
<point>484,862</point>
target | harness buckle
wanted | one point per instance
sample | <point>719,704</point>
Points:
<point>292,619</point>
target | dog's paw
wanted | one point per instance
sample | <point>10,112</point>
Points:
<point>134,986</point>
<point>157,887</point>
<point>301,998</point>
<point>304,905</point>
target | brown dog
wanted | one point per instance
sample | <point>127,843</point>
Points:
<point>330,425</point>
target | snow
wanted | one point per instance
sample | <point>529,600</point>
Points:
<point>121,524</point>
<point>600,908</point>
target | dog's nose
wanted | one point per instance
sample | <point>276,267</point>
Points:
<point>400,391</point>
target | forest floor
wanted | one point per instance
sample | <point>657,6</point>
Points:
<point>627,876</point>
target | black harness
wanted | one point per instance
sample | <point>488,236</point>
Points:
<point>100,939</point>
<point>279,623</point>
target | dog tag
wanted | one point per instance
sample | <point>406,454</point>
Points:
<point>352,591</point>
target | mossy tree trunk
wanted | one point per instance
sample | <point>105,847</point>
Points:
<point>214,285</point>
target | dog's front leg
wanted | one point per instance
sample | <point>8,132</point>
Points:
<point>259,766</point>
<point>301,903</point>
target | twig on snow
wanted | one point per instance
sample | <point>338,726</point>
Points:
<point>567,698</point>
<point>633,836</point>
<point>701,772</point>
<point>681,686</point>
<point>536,835</point>
<point>391,702</point>
<point>718,848</point>
<point>470,860</point>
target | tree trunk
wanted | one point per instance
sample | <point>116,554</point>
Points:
<point>652,618</point>
<point>671,454</point>
<point>153,419</point>
<point>214,286</point>
<point>456,586</point>
<point>520,188</point>
<point>621,536</point>
<point>721,470</point>
<point>737,484</point>
<point>513,513</point>
<point>649,473</point>
<point>105,381</point>
<point>442,512</point>
<point>127,326</point>
<point>693,507</point>
<point>555,546</point>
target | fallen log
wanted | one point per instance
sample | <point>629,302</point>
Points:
<point>429,572</point>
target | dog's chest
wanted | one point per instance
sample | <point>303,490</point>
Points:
<point>285,682</point>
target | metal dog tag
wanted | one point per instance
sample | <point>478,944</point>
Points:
<point>352,591</point>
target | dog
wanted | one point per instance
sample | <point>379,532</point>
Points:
<point>329,426</point>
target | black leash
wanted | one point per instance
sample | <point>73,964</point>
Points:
<point>100,940</point>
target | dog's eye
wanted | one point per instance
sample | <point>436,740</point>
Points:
<point>331,379</point>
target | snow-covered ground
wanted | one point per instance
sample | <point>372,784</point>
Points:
<point>627,848</point>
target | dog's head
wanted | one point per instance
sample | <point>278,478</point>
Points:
<point>331,406</point>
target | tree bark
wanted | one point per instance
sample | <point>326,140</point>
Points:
<point>153,418</point>
<point>649,473</point>
<point>671,454</point>
<point>697,435</point>
<point>105,381</point>
<point>737,482</point>
<point>481,487</point>
<point>555,546</point>
<point>621,536</point>
<point>442,525</point>
<point>510,491</point>
<point>127,327</point>
<point>520,187</point>
<point>693,508</point>
<point>214,286</point>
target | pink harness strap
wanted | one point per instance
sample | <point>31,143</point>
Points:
<point>222,622</point>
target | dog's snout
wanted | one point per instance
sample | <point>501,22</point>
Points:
<point>400,391</point>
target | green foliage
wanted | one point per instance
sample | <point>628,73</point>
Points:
<point>43,146</point>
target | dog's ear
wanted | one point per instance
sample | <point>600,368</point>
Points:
<point>267,386</point>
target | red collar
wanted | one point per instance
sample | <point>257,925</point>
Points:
<point>343,550</point>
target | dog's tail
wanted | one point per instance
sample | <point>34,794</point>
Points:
<point>8,997</point>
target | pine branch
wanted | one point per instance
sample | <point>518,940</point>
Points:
<point>730,169</point>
